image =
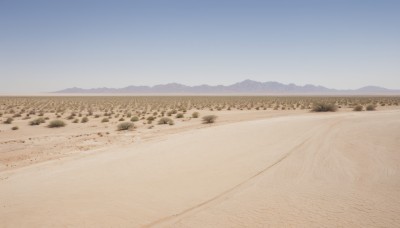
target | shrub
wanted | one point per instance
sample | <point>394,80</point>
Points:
<point>165,120</point>
<point>15,128</point>
<point>134,119</point>
<point>56,123</point>
<point>37,121</point>
<point>358,108</point>
<point>151,118</point>
<point>125,126</point>
<point>179,115</point>
<point>322,107</point>
<point>75,121</point>
<point>104,120</point>
<point>84,119</point>
<point>371,107</point>
<point>9,120</point>
<point>121,119</point>
<point>209,119</point>
<point>195,115</point>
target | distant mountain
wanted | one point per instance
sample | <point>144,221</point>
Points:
<point>244,87</point>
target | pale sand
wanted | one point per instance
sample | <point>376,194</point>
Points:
<point>304,170</point>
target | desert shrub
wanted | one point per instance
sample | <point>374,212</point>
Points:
<point>358,108</point>
<point>323,107</point>
<point>209,119</point>
<point>371,107</point>
<point>96,116</point>
<point>134,119</point>
<point>179,115</point>
<point>125,126</point>
<point>151,118</point>
<point>15,128</point>
<point>195,115</point>
<point>165,120</point>
<point>104,120</point>
<point>121,119</point>
<point>37,121</point>
<point>56,123</point>
<point>84,119</point>
<point>9,120</point>
<point>75,121</point>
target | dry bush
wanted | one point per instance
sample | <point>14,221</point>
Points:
<point>84,120</point>
<point>104,120</point>
<point>370,107</point>
<point>134,119</point>
<point>324,107</point>
<point>125,126</point>
<point>165,120</point>
<point>9,120</point>
<point>37,121</point>
<point>358,108</point>
<point>209,119</point>
<point>195,115</point>
<point>15,128</point>
<point>56,124</point>
<point>179,115</point>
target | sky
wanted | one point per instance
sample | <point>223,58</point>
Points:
<point>51,45</point>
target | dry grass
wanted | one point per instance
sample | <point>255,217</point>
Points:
<point>56,124</point>
<point>370,107</point>
<point>324,107</point>
<point>358,108</point>
<point>209,119</point>
<point>125,126</point>
<point>152,108</point>
<point>166,120</point>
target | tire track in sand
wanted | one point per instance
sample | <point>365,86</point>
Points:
<point>228,191</point>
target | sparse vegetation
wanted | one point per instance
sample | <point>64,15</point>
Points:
<point>166,120</point>
<point>358,108</point>
<point>179,115</point>
<point>37,121</point>
<point>195,114</point>
<point>324,107</point>
<point>134,119</point>
<point>105,120</point>
<point>56,124</point>
<point>84,120</point>
<point>370,107</point>
<point>15,128</point>
<point>9,120</point>
<point>209,119</point>
<point>125,126</point>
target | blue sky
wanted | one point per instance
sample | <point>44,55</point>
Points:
<point>51,45</point>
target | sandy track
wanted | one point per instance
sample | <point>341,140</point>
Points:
<point>339,169</point>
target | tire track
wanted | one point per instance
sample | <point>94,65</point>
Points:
<point>227,192</point>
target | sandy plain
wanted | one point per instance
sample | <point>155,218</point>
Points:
<point>250,169</point>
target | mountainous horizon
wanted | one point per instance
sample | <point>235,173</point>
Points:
<point>244,87</point>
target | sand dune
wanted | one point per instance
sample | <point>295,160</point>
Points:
<point>322,170</point>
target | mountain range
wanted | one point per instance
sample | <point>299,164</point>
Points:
<point>244,87</point>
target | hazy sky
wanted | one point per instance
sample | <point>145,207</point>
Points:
<point>51,45</point>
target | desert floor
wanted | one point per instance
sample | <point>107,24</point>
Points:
<point>250,169</point>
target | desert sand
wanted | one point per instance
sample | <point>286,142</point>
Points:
<point>298,170</point>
